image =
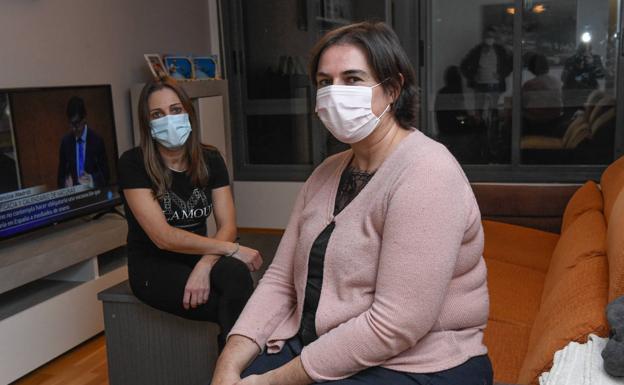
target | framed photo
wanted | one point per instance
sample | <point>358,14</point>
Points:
<point>205,67</point>
<point>179,67</point>
<point>155,65</point>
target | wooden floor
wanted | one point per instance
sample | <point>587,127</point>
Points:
<point>83,365</point>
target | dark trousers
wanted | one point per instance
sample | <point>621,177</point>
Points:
<point>160,282</point>
<point>475,371</point>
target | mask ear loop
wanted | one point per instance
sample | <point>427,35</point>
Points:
<point>388,106</point>
<point>384,111</point>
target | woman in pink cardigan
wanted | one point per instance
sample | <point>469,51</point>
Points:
<point>379,277</point>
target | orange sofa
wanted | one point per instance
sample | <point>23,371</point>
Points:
<point>548,288</point>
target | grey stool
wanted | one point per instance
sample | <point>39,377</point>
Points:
<point>148,346</point>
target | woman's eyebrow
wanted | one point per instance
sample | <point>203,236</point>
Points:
<point>345,73</point>
<point>355,72</point>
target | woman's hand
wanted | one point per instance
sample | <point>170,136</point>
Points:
<point>197,287</point>
<point>250,257</point>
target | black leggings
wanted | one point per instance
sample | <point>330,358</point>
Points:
<point>160,282</point>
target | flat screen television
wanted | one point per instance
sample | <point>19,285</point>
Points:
<point>58,155</point>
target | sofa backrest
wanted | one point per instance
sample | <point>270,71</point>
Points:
<point>586,271</point>
<point>587,197</point>
<point>611,184</point>
<point>569,312</point>
<point>615,248</point>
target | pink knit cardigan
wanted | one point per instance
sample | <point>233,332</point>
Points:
<point>404,280</point>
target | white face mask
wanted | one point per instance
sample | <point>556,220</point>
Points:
<point>171,131</point>
<point>347,112</point>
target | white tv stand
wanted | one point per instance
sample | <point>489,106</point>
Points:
<point>49,280</point>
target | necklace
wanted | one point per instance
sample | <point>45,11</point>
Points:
<point>173,169</point>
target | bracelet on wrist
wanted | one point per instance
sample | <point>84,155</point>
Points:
<point>233,252</point>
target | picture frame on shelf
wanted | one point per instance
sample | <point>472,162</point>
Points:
<point>156,66</point>
<point>179,67</point>
<point>206,67</point>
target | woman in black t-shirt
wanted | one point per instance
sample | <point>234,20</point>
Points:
<point>170,185</point>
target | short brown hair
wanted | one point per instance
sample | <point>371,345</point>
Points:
<point>159,174</point>
<point>387,59</point>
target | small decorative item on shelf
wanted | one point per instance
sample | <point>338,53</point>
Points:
<point>155,65</point>
<point>179,67</point>
<point>206,67</point>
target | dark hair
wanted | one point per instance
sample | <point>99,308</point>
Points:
<point>76,108</point>
<point>386,58</point>
<point>489,30</point>
<point>538,64</point>
<point>453,79</point>
<point>159,174</point>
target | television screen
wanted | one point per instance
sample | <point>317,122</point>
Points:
<point>58,154</point>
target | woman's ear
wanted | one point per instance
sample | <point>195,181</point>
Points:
<point>396,91</point>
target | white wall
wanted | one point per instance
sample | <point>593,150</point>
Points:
<point>72,42</point>
<point>265,204</point>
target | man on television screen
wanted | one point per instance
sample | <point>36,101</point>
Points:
<point>82,156</point>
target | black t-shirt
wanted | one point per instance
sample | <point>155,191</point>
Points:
<point>184,205</point>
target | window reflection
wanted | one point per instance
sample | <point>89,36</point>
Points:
<point>567,88</point>
<point>568,84</point>
<point>471,44</point>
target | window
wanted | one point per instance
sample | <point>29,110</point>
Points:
<point>518,90</point>
<point>524,90</point>
<point>276,133</point>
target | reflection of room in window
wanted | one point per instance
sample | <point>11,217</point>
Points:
<point>457,129</point>
<point>542,107</point>
<point>278,139</point>
<point>275,50</point>
<point>588,138</point>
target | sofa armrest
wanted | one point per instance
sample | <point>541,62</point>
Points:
<point>539,206</point>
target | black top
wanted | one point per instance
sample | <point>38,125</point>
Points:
<point>352,181</point>
<point>185,206</point>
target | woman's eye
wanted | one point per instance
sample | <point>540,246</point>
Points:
<point>156,115</point>
<point>353,80</point>
<point>176,110</point>
<point>323,83</point>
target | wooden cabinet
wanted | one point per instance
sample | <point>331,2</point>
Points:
<point>49,280</point>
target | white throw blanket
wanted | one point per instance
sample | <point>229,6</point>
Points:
<point>580,364</point>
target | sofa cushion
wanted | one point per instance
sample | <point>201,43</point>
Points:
<point>507,345</point>
<point>515,292</point>
<point>615,249</point>
<point>611,183</point>
<point>587,197</point>
<point>585,238</point>
<point>573,309</point>
<point>518,245</point>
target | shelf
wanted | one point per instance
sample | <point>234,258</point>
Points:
<point>38,254</point>
<point>112,260</point>
<point>31,294</point>
<point>49,280</point>
<point>41,290</point>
